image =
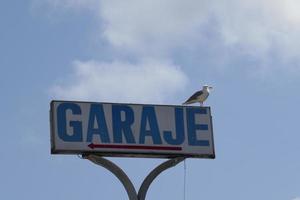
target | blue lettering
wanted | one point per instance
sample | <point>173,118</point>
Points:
<point>97,114</point>
<point>148,115</point>
<point>193,127</point>
<point>179,138</point>
<point>120,126</point>
<point>76,136</point>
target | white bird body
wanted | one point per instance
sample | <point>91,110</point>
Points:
<point>199,96</point>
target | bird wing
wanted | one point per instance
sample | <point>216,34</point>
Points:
<point>194,96</point>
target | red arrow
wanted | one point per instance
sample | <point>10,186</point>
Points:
<point>116,146</point>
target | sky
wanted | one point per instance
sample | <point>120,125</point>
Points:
<point>157,52</point>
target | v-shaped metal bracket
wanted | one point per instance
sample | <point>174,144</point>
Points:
<point>121,175</point>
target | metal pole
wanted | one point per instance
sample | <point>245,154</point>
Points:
<point>120,174</point>
<point>154,173</point>
<point>117,171</point>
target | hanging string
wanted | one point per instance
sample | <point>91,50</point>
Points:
<point>184,179</point>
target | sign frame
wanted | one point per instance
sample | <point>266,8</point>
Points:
<point>149,154</point>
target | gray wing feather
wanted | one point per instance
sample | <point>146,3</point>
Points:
<point>194,96</point>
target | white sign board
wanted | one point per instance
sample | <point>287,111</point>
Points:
<point>131,130</point>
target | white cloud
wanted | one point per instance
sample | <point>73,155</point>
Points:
<point>148,81</point>
<point>260,27</point>
<point>156,27</point>
<point>266,31</point>
<point>152,26</point>
<point>297,198</point>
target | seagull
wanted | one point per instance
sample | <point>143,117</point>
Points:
<point>199,96</point>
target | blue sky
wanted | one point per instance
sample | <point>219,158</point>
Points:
<point>153,52</point>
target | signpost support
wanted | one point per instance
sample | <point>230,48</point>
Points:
<point>154,173</point>
<point>121,175</point>
<point>117,171</point>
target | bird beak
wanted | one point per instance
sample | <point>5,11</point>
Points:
<point>210,87</point>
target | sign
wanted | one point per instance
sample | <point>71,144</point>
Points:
<point>131,130</point>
